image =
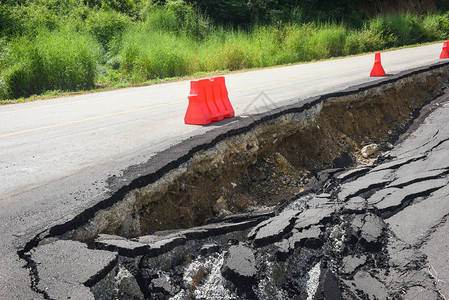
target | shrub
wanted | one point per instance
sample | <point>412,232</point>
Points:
<point>443,23</point>
<point>178,17</point>
<point>17,81</point>
<point>59,7</point>
<point>106,24</point>
<point>399,29</point>
<point>267,46</point>
<point>8,24</point>
<point>432,28</point>
<point>407,28</point>
<point>162,19</point>
<point>54,60</point>
<point>363,40</point>
<point>31,19</point>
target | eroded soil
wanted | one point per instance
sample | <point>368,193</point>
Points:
<point>311,203</point>
<point>271,162</point>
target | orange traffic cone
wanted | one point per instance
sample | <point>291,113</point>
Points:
<point>445,51</point>
<point>377,70</point>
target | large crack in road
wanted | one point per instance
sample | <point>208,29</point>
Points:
<point>271,212</point>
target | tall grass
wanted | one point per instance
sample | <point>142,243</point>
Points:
<point>153,54</point>
<point>54,60</point>
<point>71,47</point>
<point>105,24</point>
<point>177,17</point>
<point>146,55</point>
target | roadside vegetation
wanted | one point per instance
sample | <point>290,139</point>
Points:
<point>71,45</point>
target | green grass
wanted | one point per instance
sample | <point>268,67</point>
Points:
<point>79,48</point>
<point>55,60</point>
<point>146,55</point>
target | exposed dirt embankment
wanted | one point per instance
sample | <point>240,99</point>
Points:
<point>272,159</point>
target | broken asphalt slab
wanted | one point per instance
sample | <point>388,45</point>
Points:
<point>414,223</point>
<point>67,269</point>
<point>162,242</point>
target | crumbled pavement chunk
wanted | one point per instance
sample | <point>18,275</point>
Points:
<point>123,246</point>
<point>272,230</point>
<point>397,163</point>
<point>127,284</point>
<point>372,228</point>
<point>416,177</point>
<point>403,256</point>
<point>381,195</point>
<point>161,244</point>
<point>365,183</point>
<point>313,216</point>
<point>320,201</point>
<point>350,263</point>
<point>239,265</point>
<point>397,198</point>
<point>329,287</point>
<point>355,204</point>
<point>365,284</point>
<point>357,222</point>
<point>368,229</point>
<point>67,268</point>
<point>435,247</point>
<point>309,238</point>
<point>162,285</point>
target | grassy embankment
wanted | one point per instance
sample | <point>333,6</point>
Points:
<point>47,49</point>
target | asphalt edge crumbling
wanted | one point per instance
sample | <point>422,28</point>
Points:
<point>172,158</point>
<point>175,156</point>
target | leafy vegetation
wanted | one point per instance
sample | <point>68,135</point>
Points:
<point>70,45</point>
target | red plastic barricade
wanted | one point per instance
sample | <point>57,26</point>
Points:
<point>208,101</point>
<point>445,51</point>
<point>221,97</point>
<point>377,70</point>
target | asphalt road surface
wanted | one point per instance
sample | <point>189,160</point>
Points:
<point>55,155</point>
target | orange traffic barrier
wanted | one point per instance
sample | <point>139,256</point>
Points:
<point>221,97</point>
<point>377,70</point>
<point>445,51</point>
<point>208,102</point>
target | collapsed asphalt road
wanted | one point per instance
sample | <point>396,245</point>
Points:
<point>50,184</point>
<point>374,232</point>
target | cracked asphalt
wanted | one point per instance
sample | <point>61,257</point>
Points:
<point>377,232</point>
